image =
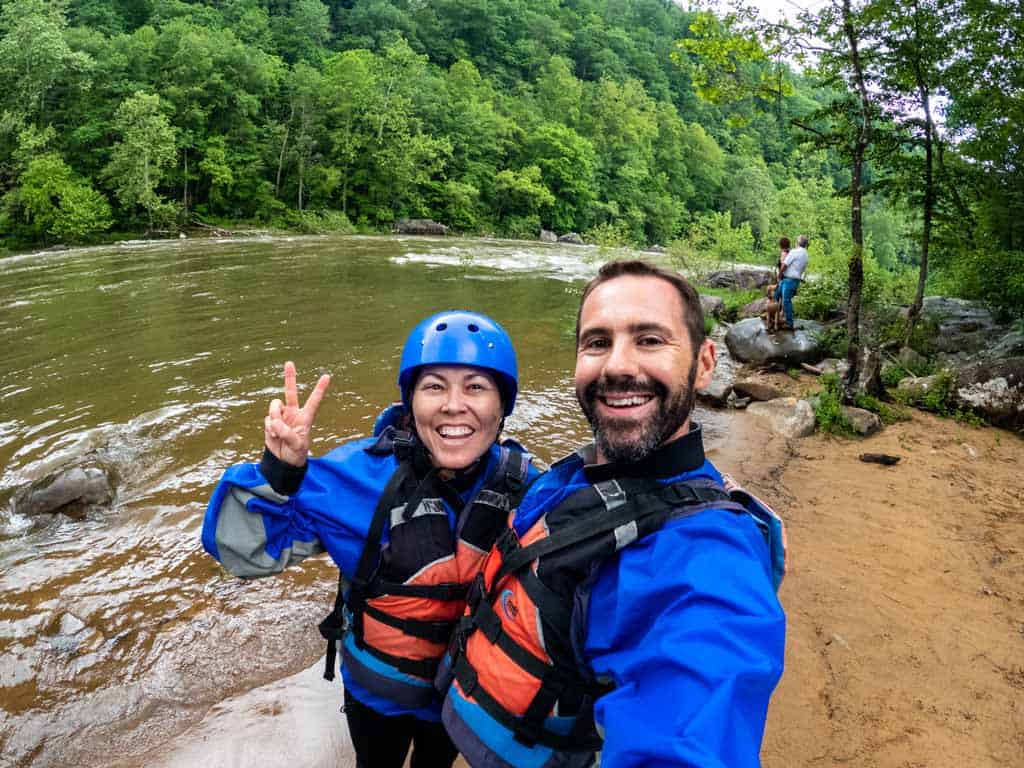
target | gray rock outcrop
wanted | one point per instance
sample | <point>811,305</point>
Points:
<point>547,236</point>
<point>744,277</point>
<point>420,227</point>
<point>963,326</point>
<point>572,238</point>
<point>712,306</point>
<point>863,422</point>
<point>755,391</point>
<point>749,342</point>
<point>786,416</point>
<point>995,390</point>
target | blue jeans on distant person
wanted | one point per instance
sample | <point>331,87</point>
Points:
<point>786,291</point>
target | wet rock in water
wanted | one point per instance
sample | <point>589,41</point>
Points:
<point>547,236</point>
<point>659,249</point>
<point>787,416</point>
<point>756,308</point>
<point>70,491</point>
<point>963,326</point>
<point>420,227</point>
<point>572,238</point>
<point>756,391</point>
<point>995,390</point>
<point>712,306</point>
<point>742,277</point>
<point>863,422</point>
<point>749,342</point>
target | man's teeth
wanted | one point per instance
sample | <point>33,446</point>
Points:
<point>623,402</point>
<point>455,431</point>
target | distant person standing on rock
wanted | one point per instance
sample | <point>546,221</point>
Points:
<point>793,265</point>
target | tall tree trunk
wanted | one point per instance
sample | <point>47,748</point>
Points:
<point>184,190</point>
<point>924,97</point>
<point>284,147</point>
<point>861,143</point>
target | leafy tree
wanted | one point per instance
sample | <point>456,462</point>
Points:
<point>144,154</point>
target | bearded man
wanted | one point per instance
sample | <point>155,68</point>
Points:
<point>630,609</point>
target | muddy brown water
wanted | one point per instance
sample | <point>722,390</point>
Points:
<point>117,632</point>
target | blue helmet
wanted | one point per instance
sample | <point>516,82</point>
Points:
<point>459,337</point>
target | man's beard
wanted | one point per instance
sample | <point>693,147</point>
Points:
<point>614,437</point>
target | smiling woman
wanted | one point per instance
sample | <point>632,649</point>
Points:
<point>406,515</point>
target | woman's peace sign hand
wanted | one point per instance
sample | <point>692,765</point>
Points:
<point>287,427</point>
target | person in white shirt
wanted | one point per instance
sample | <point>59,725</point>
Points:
<point>793,266</point>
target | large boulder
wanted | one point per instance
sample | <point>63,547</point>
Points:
<point>547,236</point>
<point>862,421</point>
<point>717,392</point>
<point>745,277</point>
<point>659,249</point>
<point>994,389</point>
<point>755,391</point>
<point>1008,345</point>
<point>913,389</point>
<point>749,342</point>
<point>713,306</point>
<point>420,227</point>
<point>963,326</point>
<point>787,416</point>
<point>572,238</point>
<point>70,490</point>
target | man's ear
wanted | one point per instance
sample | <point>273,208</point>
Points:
<point>707,357</point>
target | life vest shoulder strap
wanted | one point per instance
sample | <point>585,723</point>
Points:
<point>618,504</point>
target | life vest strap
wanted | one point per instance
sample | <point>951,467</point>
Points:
<point>445,592</point>
<point>604,519</point>
<point>434,631</point>
<point>425,668</point>
<point>489,623</point>
<point>528,733</point>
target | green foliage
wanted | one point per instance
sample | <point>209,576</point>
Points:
<point>834,341</point>
<point>610,235</point>
<point>734,300</point>
<point>142,157</point>
<point>887,413</point>
<point>828,409</point>
<point>318,222</point>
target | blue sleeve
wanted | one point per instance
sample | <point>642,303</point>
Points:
<point>252,530</point>
<point>688,625</point>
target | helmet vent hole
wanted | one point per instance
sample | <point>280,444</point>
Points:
<point>442,326</point>
<point>473,328</point>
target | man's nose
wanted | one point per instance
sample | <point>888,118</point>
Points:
<point>621,360</point>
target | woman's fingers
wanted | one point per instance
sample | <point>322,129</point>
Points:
<point>316,396</point>
<point>291,391</point>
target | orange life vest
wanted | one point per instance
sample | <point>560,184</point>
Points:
<point>396,617</point>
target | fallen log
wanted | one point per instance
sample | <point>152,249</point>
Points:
<point>880,458</point>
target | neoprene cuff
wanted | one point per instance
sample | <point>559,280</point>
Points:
<point>283,477</point>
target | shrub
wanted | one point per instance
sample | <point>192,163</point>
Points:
<point>828,410</point>
<point>834,341</point>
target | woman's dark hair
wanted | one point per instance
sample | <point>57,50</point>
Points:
<point>784,243</point>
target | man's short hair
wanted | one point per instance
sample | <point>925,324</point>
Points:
<point>693,313</point>
<point>802,241</point>
<point>784,243</point>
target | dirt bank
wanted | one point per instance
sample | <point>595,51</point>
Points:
<point>905,597</point>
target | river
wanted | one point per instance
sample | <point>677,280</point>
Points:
<point>121,641</point>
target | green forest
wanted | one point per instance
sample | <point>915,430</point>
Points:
<point>889,132</point>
